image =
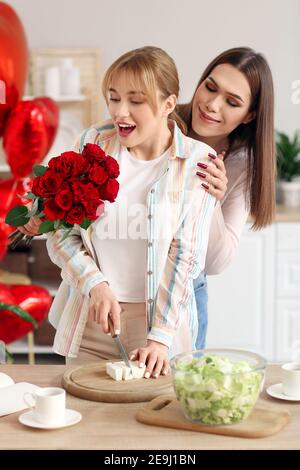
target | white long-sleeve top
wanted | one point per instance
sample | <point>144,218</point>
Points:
<point>230,216</point>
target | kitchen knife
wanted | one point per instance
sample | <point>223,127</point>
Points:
<point>119,344</point>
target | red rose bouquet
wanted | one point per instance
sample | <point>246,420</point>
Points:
<point>70,190</point>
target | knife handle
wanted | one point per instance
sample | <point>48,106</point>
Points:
<point>111,327</point>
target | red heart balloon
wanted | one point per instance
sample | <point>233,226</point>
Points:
<point>51,117</point>
<point>29,134</point>
<point>13,60</point>
<point>33,299</point>
<point>5,231</point>
<point>10,192</point>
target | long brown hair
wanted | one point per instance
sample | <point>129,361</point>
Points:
<point>257,137</point>
<point>149,68</point>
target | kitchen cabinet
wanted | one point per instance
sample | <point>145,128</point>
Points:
<point>255,303</point>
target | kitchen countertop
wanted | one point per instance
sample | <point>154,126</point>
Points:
<point>284,214</point>
<point>287,214</point>
<point>112,426</point>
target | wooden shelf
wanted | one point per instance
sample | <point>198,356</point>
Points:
<point>62,99</point>
<point>21,347</point>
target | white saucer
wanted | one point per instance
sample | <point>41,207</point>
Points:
<point>277,392</point>
<point>72,417</point>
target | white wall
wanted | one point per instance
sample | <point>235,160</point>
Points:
<point>193,32</point>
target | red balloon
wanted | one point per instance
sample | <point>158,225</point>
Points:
<point>14,57</point>
<point>33,299</point>
<point>5,231</point>
<point>10,192</point>
<point>51,117</point>
<point>29,134</point>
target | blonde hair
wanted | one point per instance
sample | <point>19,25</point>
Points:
<point>148,68</point>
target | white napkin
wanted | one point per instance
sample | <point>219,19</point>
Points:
<point>11,394</point>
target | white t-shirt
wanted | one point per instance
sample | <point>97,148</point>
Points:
<point>120,235</point>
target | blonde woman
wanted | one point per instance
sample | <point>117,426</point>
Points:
<point>138,261</point>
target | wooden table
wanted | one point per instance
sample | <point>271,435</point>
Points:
<point>114,427</point>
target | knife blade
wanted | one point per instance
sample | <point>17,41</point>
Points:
<point>119,344</point>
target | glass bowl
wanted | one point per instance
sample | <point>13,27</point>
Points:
<point>217,386</point>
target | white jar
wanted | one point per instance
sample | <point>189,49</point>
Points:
<point>70,78</point>
<point>52,82</point>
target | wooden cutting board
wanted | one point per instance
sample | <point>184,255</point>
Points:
<point>165,411</point>
<point>92,383</point>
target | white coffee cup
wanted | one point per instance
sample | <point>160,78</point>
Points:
<point>291,379</point>
<point>48,405</point>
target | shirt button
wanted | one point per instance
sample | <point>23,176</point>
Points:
<point>150,244</point>
<point>149,216</point>
<point>149,273</point>
<point>150,301</point>
<point>152,191</point>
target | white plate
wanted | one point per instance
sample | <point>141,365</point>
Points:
<point>277,392</point>
<point>72,417</point>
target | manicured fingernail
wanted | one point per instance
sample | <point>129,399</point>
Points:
<point>117,332</point>
<point>141,364</point>
<point>202,165</point>
<point>155,376</point>
<point>205,186</point>
<point>202,175</point>
<point>132,357</point>
<point>109,333</point>
<point>147,375</point>
<point>165,372</point>
<point>211,155</point>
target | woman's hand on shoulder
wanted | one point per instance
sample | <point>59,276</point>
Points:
<point>155,356</point>
<point>213,176</point>
<point>103,303</point>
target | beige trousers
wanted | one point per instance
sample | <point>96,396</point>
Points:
<point>97,345</point>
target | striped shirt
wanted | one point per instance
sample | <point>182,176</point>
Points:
<point>179,213</point>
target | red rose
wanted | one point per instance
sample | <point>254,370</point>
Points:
<point>75,215</point>
<point>90,192</point>
<point>112,167</point>
<point>83,191</point>
<point>98,174</point>
<point>48,184</point>
<point>109,190</point>
<point>94,209</point>
<point>64,199</point>
<point>93,152</point>
<point>52,211</point>
<point>69,164</point>
<point>36,186</point>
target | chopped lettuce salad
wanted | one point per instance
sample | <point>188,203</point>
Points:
<point>215,390</point>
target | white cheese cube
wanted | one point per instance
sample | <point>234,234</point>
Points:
<point>114,371</point>
<point>119,370</point>
<point>138,372</point>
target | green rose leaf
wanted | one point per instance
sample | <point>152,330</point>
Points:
<point>34,208</point>
<point>47,226</point>
<point>17,216</point>
<point>85,224</point>
<point>39,170</point>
